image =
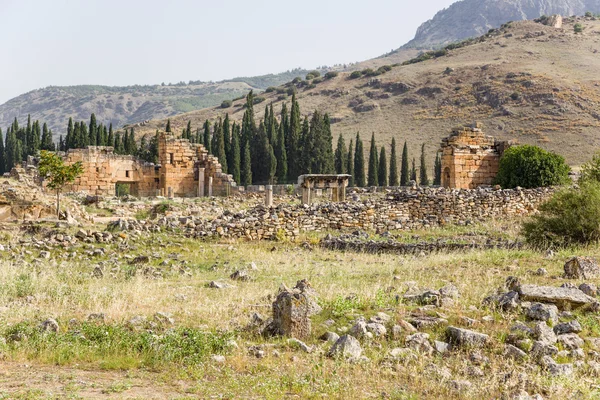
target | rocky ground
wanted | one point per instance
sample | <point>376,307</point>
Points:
<point>90,311</point>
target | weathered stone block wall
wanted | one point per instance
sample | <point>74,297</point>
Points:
<point>102,170</point>
<point>181,162</point>
<point>470,159</point>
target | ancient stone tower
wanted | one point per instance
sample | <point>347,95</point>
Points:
<point>470,159</point>
<point>185,170</point>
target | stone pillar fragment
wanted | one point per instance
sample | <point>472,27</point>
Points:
<point>201,191</point>
<point>269,196</point>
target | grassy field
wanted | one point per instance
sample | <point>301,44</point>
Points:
<point>126,356</point>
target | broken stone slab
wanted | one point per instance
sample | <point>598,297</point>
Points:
<point>542,312</point>
<point>301,345</point>
<point>556,369</point>
<point>514,352</point>
<point>570,341</point>
<point>292,310</point>
<point>347,347</point>
<point>219,285</point>
<point>544,333</point>
<point>582,268</point>
<point>467,338</point>
<point>240,275</point>
<point>420,343</point>
<point>562,297</point>
<point>568,327</point>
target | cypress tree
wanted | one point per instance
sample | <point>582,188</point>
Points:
<point>206,138</point>
<point>341,163</point>
<point>235,167</point>
<point>153,149</point>
<point>220,147</point>
<point>2,157</point>
<point>373,164</point>
<point>216,132</point>
<point>413,171</point>
<point>132,149</point>
<point>405,172</point>
<point>325,143</point>
<point>350,164</point>
<point>125,142</point>
<point>382,176</point>
<point>424,178</point>
<point>69,138</point>
<point>168,127</point>
<point>188,131</point>
<point>83,135</point>
<point>394,178</point>
<point>36,141</point>
<point>227,138</point>
<point>142,151</point>
<point>305,143</point>
<point>28,137</point>
<point>199,137</point>
<point>92,132</point>
<point>437,170</point>
<point>118,145</point>
<point>281,155</point>
<point>246,172</point>
<point>47,143</point>
<point>359,163</point>
<point>62,146</point>
<point>293,140</point>
<point>111,137</point>
<point>11,142</point>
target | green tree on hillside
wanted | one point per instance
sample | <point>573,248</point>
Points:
<point>394,177</point>
<point>340,156</point>
<point>359,163</point>
<point>373,164</point>
<point>424,179</point>
<point>382,176</point>
<point>53,169</point>
<point>350,164</point>
<point>405,171</point>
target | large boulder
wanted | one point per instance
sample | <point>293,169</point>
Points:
<point>346,347</point>
<point>292,310</point>
<point>563,297</point>
<point>582,268</point>
<point>467,338</point>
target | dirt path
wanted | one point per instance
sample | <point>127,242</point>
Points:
<point>19,380</point>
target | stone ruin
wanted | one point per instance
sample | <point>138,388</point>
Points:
<point>337,184</point>
<point>470,158</point>
<point>185,170</point>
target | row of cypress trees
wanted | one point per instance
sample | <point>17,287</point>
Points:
<point>351,161</point>
<point>23,141</point>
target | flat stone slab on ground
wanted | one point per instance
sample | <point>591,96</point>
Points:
<point>555,295</point>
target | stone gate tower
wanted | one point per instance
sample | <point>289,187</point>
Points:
<point>470,159</point>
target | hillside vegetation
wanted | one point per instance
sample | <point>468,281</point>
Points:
<point>525,81</point>
<point>125,105</point>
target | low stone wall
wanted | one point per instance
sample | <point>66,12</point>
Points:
<point>402,210</point>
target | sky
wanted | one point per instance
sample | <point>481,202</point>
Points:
<point>127,42</point>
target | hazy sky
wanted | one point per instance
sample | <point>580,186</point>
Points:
<point>126,42</point>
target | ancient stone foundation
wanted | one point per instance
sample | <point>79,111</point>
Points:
<point>470,159</point>
<point>185,170</point>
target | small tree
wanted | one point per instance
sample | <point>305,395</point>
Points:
<point>578,28</point>
<point>53,169</point>
<point>590,171</point>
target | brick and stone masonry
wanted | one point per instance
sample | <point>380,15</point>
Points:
<point>470,159</point>
<point>185,170</point>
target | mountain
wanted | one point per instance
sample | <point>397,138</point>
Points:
<point>129,104</point>
<point>525,81</point>
<point>471,18</point>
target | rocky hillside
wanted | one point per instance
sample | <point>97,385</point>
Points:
<point>526,81</point>
<point>124,105</point>
<point>472,18</point>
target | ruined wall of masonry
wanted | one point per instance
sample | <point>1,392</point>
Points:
<point>470,159</point>
<point>181,163</point>
<point>102,170</point>
<point>185,170</point>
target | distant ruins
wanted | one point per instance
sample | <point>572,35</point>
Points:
<point>185,170</point>
<point>470,159</point>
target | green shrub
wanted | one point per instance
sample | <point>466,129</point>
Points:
<point>590,171</point>
<point>316,81</point>
<point>367,71</point>
<point>571,217</point>
<point>291,91</point>
<point>331,74</point>
<point>270,89</point>
<point>297,80</point>
<point>312,75</point>
<point>531,167</point>
<point>355,75</point>
<point>258,100</point>
<point>589,14</point>
<point>578,28</point>
<point>226,103</point>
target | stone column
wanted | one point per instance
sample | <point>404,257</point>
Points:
<point>269,196</point>
<point>334,195</point>
<point>342,192</point>
<point>210,184</point>
<point>201,182</point>
<point>170,192</point>
<point>306,194</point>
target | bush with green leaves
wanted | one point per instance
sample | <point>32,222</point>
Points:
<point>355,75</point>
<point>312,75</point>
<point>531,167</point>
<point>226,103</point>
<point>571,217</point>
<point>578,28</point>
<point>331,74</point>
<point>270,89</point>
<point>590,171</point>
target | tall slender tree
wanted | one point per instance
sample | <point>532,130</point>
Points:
<point>220,146</point>
<point>394,177</point>
<point>2,155</point>
<point>413,171</point>
<point>382,175</point>
<point>341,163</point>
<point>359,163</point>
<point>373,164</point>
<point>350,164</point>
<point>168,127</point>
<point>437,171</point>
<point>293,140</point>
<point>235,167</point>
<point>246,172</point>
<point>281,155</point>
<point>206,139</point>
<point>405,172</point>
<point>424,178</point>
